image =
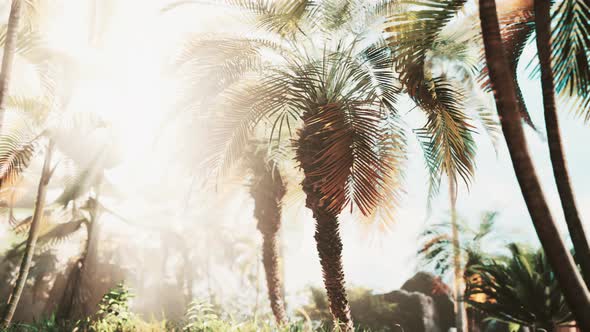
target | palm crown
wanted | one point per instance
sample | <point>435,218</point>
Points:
<point>339,84</point>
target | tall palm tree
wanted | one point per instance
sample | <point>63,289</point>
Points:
<point>560,173</point>
<point>575,290</point>
<point>32,238</point>
<point>268,189</point>
<point>8,55</point>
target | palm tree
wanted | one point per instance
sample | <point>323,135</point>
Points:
<point>268,189</point>
<point>8,56</point>
<point>503,86</point>
<point>32,238</point>
<point>560,173</point>
<point>520,289</point>
<point>350,143</point>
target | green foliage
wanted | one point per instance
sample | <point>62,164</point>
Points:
<point>201,317</point>
<point>436,248</point>
<point>370,312</point>
<point>571,51</point>
<point>113,313</point>
<point>43,325</point>
<point>519,289</point>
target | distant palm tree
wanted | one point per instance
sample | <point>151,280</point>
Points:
<point>502,82</point>
<point>520,289</point>
<point>437,249</point>
<point>268,189</point>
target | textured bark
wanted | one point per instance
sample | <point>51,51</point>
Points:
<point>31,240</point>
<point>327,233</point>
<point>271,262</point>
<point>329,245</point>
<point>8,56</point>
<point>268,191</point>
<point>570,281</point>
<point>560,173</point>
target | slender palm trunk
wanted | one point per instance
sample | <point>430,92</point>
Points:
<point>460,313</point>
<point>268,191</point>
<point>31,240</point>
<point>329,245</point>
<point>271,262</point>
<point>8,56</point>
<point>572,285</point>
<point>560,173</point>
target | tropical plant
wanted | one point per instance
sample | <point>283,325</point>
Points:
<point>113,311</point>
<point>502,82</point>
<point>436,249</point>
<point>268,189</point>
<point>444,251</point>
<point>520,289</point>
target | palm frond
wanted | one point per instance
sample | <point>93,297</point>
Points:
<point>345,147</point>
<point>58,234</point>
<point>209,66</point>
<point>231,125</point>
<point>284,17</point>
<point>412,33</point>
<point>447,139</point>
<point>18,146</point>
<point>51,235</point>
<point>571,51</point>
<point>521,289</point>
<point>336,13</point>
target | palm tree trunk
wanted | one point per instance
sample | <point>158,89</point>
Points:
<point>327,234</point>
<point>503,85</point>
<point>271,262</point>
<point>268,191</point>
<point>31,240</point>
<point>8,56</point>
<point>460,313</point>
<point>560,173</point>
<point>329,245</point>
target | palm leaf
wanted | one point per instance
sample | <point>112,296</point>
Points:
<point>17,149</point>
<point>570,53</point>
<point>447,139</point>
